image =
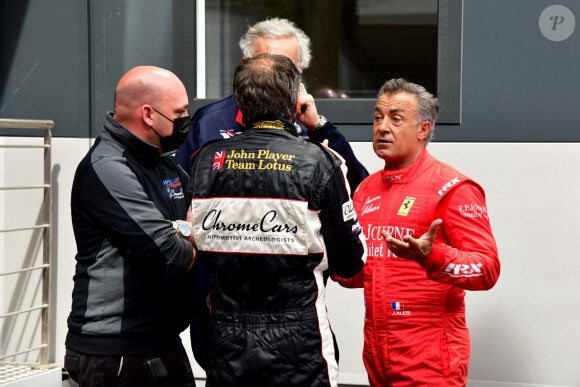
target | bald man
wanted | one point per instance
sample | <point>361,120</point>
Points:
<point>131,286</point>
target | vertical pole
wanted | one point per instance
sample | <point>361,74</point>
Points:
<point>200,48</point>
<point>46,238</point>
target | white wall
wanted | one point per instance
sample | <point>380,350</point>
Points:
<point>524,331</point>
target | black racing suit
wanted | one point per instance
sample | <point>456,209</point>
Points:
<point>271,213</point>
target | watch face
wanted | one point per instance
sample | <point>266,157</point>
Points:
<point>184,230</point>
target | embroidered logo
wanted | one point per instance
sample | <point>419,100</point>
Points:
<point>348,211</point>
<point>356,229</point>
<point>399,309</point>
<point>393,177</point>
<point>369,206</point>
<point>406,206</point>
<point>269,124</point>
<point>228,133</point>
<point>448,185</point>
<point>473,210</point>
<point>174,188</point>
<point>463,270</point>
<point>218,160</point>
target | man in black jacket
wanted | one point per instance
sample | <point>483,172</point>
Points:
<point>223,119</point>
<point>130,297</point>
<point>271,213</point>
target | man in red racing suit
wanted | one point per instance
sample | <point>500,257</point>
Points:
<point>438,243</point>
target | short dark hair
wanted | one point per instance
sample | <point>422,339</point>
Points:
<point>427,105</point>
<point>266,88</point>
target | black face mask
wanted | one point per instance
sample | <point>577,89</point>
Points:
<point>180,130</point>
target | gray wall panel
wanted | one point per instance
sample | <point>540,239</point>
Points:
<point>125,34</point>
<point>44,63</point>
<point>62,59</point>
<point>517,85</point>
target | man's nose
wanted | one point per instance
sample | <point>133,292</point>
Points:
<point>384,125</point>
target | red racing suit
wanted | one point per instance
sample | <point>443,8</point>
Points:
<point>415,331</point>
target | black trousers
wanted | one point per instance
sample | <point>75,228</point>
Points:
<point>151,369</point>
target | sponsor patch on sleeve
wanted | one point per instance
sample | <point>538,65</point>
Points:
<point>348,211</point>
<point>473,210</point>
<point>356,229</point>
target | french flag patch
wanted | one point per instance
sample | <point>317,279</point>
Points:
<point>398,305</point>
<point>218,160</point>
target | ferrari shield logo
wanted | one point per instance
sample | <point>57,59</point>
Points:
<point>406,206</point>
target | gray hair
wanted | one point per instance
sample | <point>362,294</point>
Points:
<point>277,28</point>
<point>427,105</point>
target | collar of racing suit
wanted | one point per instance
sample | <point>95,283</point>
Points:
<point>405,175</point>
<point>280,123</point>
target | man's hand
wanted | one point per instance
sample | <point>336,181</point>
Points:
<point>189,218</point>
<point>411,248</point>
<point>307,113</point>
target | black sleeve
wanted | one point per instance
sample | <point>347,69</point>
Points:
<point>342,234</point>
<point>337,142</point>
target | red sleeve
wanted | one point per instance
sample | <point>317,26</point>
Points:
<point>465,253</point>
<point>355,282</point>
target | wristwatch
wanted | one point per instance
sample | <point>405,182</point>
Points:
<point>321,122</point>
<point>183,230</point>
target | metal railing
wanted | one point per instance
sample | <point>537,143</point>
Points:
<point>47,125</point>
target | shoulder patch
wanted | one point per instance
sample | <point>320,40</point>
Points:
<point>348,212</point>
<point>448,185</point>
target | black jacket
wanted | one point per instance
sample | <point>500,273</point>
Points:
<point>130,285</point>
<point>271,213</point>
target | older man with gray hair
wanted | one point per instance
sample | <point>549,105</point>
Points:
<point>223,119</point>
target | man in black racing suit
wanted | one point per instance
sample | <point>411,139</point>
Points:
<point>271,212</point>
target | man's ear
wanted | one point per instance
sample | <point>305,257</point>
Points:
<point>146,114</point>
<point>424,129</point>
